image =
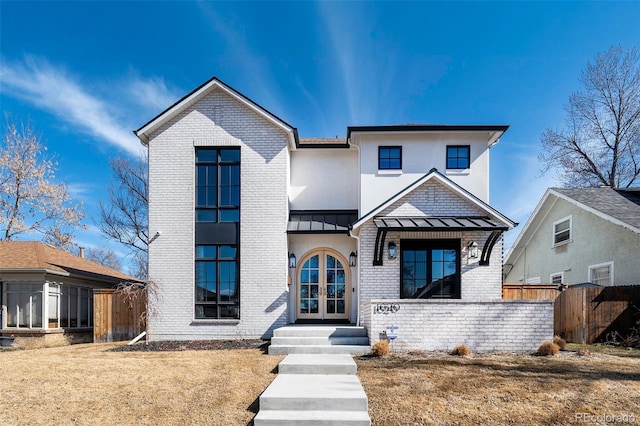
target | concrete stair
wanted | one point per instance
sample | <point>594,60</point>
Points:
<point>320,389</point>
<point>302,339</point>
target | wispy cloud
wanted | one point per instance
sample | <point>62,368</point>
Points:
<point>55,90</point>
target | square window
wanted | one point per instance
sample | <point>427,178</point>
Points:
<point>389,158</point>
<point>601,274</point>
<point>458,156</point>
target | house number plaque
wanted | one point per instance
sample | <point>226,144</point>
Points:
<point>387,308</point>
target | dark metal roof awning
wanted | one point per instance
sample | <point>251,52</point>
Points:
<point>428,223</point>
<point>321,221</point>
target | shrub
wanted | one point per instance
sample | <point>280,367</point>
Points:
<point>548,349</point>
<point>562,344</point>
<point>461,350</point>
<point>380,348</point>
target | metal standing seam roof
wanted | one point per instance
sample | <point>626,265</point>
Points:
<point>430,223</point>
<point>321,221</point>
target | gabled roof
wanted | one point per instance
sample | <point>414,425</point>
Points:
<point>31,256</point>
<point>618,206</point>
<point>194,96</point>
<point>494,131</point>
<point>434,174</point>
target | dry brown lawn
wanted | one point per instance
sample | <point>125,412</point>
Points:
<point>89,385</point>
<point>441,389</point>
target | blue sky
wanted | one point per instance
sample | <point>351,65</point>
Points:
<point>87,73</point>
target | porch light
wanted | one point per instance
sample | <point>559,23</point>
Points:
<point>353,257</point>
<point>292,260</point>
<point>392,250</point>
<point>473,250</point>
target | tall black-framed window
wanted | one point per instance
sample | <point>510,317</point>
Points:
<point>389,158</point>
<point>430,269</point>
<point>217,282</point>
<point>458,156</point>
<point>218,185</point>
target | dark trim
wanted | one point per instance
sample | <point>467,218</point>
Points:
<point>323,146</point>
<point>378,251</point>
<point>468,157</point>
<point>427,128</point>
<point>324,221</point>
<point>488,247</point>
<point>429,245</point>
<point>437,223</point>
<point>381,147</point>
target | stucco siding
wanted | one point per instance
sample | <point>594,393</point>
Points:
<point>594,241</point>
<point>218,120</point>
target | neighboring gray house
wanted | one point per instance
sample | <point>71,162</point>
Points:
<point>577,236</point>
<point>255,228</point>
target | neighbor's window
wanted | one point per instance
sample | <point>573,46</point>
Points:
<point>601,274</point>
<point>562,231</point>
<point>430,269</point>
<point>217,185</point>
<point>458,156</point>
<point>217,282</point>
<point>557,278</point>
<point>389,158</point>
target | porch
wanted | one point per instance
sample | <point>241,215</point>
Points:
<point>319,339</point>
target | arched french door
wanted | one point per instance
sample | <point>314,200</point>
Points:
<point>324,286</point>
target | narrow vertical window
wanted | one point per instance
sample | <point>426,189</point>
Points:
<point>216,283</point>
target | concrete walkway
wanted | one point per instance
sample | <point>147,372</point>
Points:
<point>314,389</point>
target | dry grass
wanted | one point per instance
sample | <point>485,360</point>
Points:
<point>380,348</point>
<point>548,349</point>
<point>87,384</point>
<point>440,389</point>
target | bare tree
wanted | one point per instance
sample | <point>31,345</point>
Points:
<point>31,201</point>
<point>600,144</point>
<point>105,257</point>
<point>124,218</point>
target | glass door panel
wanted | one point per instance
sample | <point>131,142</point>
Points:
<point>323,288</point>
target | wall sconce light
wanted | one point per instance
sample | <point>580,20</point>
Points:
<point>353,257</point>
<point>473,250</point>
<point>392,250</point>
<point>292,260</point>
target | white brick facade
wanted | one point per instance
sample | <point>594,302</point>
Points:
<point>218,120</point>
<point>483,325</point>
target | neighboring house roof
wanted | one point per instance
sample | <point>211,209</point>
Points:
<point>434,174</point>
<point>198,93</point>
<point>494,131</point>
<point>31,256</point>
<point>321,221</point>
<point>618,206</point>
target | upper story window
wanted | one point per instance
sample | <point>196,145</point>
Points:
<point>217,185</point>
<point>389,158</point>
<point>458,156</point>
<point>562,231</point>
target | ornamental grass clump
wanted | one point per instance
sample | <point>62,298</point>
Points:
<point>562,344</point>
<point>461,350</point>
<point>380,348</point>
<point>548,349</point>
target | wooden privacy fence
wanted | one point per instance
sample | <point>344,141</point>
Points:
<point>530,291</point>
<point>588,315</point>
<point>117,316</point>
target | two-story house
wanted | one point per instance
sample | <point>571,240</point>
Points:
<point>256,228</point>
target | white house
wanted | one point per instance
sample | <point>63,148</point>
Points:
<point>577,236</point>
<point>257,228</point>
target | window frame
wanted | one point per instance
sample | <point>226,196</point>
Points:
<point>591,268</point>
<point>218,259</point>
<point>457,157</point>
<point>555,233</point>
<point>390,158</point>
<point>556,274</point>
<point>224,213</point>
<point>430,245</point>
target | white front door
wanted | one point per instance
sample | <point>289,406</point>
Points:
<point>323,287</point>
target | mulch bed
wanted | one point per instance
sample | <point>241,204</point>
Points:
<point>195,345</point>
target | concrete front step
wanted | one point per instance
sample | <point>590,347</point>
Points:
<point>319,331</point>
<point>311,418</point>
<point>314,392</point>
<point>319,340</point>
<point>319,349</point>
<point>318,364</point>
